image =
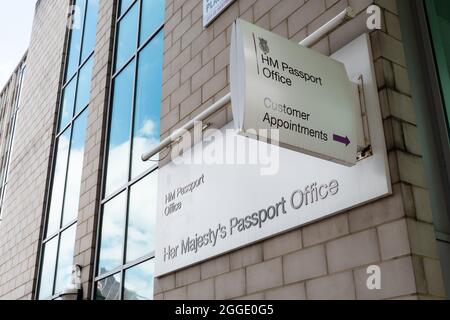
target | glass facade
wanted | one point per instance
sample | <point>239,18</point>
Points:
<point>438,12</point>
<point>9,116</point>
<point>62,208</point>
<point>126,232</point>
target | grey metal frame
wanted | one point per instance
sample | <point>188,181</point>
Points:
<point>131,181</point>
<point>59,131</point>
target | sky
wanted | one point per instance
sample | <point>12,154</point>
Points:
<point>16,20</point>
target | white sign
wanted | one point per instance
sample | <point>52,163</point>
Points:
<point>205,210</point>
<point>307,96</point>
<point>213,8</point>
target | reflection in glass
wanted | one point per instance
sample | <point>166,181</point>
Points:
<point>119,135</point>
<point>90,28</point>
<point>73,184</point>
<point>138,283</point>
<point>48,269</point>
<point>141,218</point>
<point>59,178</point>
<point>84,85</point>
<point>108,289</point>
<point>124,5</point>
<point>148,102</point>
<point>68,103</point>
<point>65,260</point>
<point>75,39</point>
<point>113,226</point>
<point>127,36</point>
<point>153,17</point>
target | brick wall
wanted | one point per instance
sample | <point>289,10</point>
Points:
<point>20,231</point>
<point>327,259</point>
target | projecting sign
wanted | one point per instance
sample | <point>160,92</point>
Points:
<point>213,8</point>
<point>278,84</point>
<point>254,190</point>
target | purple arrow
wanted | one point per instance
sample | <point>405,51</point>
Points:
<point>341,139</point>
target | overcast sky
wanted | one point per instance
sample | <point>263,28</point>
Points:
<point>16,20</point>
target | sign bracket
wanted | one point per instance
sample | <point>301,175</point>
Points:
<point>365,146</point>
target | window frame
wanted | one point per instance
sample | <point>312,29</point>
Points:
<point>58,132</point>
<point>125,188</point>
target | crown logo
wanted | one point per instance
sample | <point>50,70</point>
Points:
<point>264,46</point>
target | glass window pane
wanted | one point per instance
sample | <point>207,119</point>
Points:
<point>90,29</point>
<point>119,134</point>
<point>152,17</point>
<point>439,19</point>
<point>65,260</point>
<point>112,233</point>
<point>75,38</point>
<point>139,282</point>
<point>75,168</point>
<point>59,178</point>
<point>124,5</point>
<point>127,36</point>
<point>109,288</point>
<point>68,103</point>
<point>141,218</point>
<point>148,103</point>
<point>48,269</point>
<point>84,85</point>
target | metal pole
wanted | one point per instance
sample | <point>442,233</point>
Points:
<point>317,35</point>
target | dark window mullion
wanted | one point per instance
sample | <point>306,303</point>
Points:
<point>126,11</point>
<point>125,65</point>
<point>133,107</point>
<point>57,233</point>
<point>129,184</point>
<point>77,70</point>
<point>150,38</point>
<point>56,264</point>
<point>70,47</point>
<point>66,175</point>
<point>80,54</point>
<point>75,118</point>
<point>125,231</point>
<point>130,154</point>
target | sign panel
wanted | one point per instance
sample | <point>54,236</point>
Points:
<point>207,209</point>
<point>307,96</point>
<point>213,8</point>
